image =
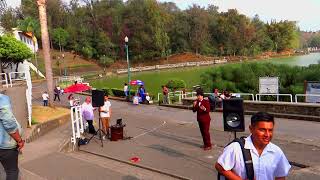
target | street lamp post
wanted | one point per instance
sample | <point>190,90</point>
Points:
<point>126,40</point>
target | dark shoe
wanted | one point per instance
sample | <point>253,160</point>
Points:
<point>207,148</point>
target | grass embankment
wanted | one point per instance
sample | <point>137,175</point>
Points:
<point>70,63</point>
<point>42,114</point>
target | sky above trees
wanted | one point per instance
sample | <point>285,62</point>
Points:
<point>305,12</point>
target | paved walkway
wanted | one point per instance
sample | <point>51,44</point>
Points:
<point>164,139</point>
<point>169,140</point>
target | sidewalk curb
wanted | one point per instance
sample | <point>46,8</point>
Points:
<point>43,128</point>
<point>139,166</point>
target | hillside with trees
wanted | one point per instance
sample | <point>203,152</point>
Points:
<point>96,29</point>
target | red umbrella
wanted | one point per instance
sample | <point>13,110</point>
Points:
<point>76,88</point>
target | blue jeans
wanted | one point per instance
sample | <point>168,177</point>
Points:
<point>126,93</point>
<point>45,102</point>
<point>9,161</point>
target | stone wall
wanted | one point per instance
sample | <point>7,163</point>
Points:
<point>301,111</point>
<point>18,99</point>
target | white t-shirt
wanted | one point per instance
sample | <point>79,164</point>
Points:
<point>105,107</point>
<point>125,88</point>
<point>45,96</point>
<point>272,162</point>
<point>71,102</point>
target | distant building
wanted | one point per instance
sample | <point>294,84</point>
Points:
<point>26,37</point>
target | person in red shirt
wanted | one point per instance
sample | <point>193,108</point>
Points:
<point>202,107</point>
<point>165,92</point>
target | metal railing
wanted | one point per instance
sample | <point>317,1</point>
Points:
<point>21,78</point>
<point>258,96</point>
<point>305,95</point>
<point>5,79</point>
<point>76,123</point>
<point>244,94</point>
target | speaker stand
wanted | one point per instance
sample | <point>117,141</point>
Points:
<point>235,134</point>
<point>100,131</point>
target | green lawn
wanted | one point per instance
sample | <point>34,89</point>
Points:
<point>153,80</point>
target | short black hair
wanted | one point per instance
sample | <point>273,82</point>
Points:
<point>199,92</point>
<point>261,117</point>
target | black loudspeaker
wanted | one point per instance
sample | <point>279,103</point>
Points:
<point>97,98</point>
<point>233,118</point>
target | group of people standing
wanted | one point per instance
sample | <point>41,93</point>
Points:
<point>269,162</point>
<point>141,95</point>
<point>87,111</point>
<point>57,92</point>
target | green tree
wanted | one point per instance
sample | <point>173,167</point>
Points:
<point>199,33</point>
<point>8,19</point>
<point>60,38</point>
<point>314,41</point>
<point>106,62</point>
<point>12,51</point>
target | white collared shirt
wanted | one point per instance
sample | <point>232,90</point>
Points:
<point>272,162</point>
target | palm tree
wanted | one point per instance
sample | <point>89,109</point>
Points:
<point>46,48</point>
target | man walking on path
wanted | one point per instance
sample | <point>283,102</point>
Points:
<point>10,140</point>
<point>202,107</point>
<point>269,162</point>
<point>165,92</point>
<point>56,93</point>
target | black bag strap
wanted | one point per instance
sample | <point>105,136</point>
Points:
<point>246,157</point>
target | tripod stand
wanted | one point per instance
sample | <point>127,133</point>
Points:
<point>100,131</point>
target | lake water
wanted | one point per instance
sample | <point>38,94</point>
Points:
<point>304,60</point>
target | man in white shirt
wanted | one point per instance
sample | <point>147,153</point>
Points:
<point>105,114</point>
<point>269,162</point>
<point>45,98</point>
<point>88,115</point>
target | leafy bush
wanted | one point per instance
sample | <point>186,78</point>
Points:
<point>119,92</point>
<point>88,51</point>
<point>175,84</point>
<point>245,77</point>
<point>107,91</point>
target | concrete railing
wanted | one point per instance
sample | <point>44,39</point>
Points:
<point>170,66</point>
<point>70,78</point>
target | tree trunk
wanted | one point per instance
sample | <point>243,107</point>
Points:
<point>46,48</point>
<point>1,71</point>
